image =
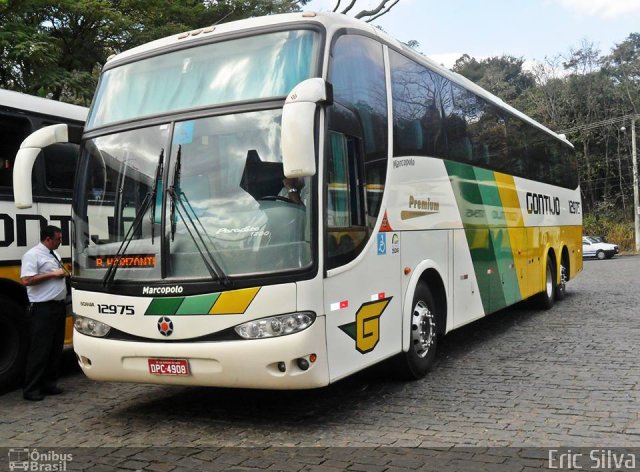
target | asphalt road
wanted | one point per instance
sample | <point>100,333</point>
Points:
<point>504,386</point>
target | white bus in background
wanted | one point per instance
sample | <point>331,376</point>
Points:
<point>423,203</point>
<point>52,186</point>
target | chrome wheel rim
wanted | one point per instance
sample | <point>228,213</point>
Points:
<point>422,329</point>
<point>549,283</point>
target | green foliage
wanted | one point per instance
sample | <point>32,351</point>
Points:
<point>56,48</point>
<point>614,230</point>
<point>569,94</point>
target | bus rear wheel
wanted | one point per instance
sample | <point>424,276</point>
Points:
<point>416,362</point>
<point>561,288</point>
<point>546,298</point>
<point>13,343</point>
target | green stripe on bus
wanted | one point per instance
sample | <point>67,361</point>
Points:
<point>164,306</point>
<point>198,304</point>
<point>506,265</point>
<point>478,199</point>
<point>499,238</point>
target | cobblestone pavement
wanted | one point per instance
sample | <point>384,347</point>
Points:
<point>520,378</point>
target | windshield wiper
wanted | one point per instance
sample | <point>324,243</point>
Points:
<point>149,198</point>
<point>178,199</point>
<point>156,182</point>
<point>175,187</point>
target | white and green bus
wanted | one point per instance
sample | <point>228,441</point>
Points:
<point>422,203</point>
<point>49,182</point>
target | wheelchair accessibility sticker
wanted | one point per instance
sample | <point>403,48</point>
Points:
<point>382,244</point>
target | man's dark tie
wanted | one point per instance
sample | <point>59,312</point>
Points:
<point>66,279</point>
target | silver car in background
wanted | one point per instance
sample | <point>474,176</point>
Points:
<point>593,246</point>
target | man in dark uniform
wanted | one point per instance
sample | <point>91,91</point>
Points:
<point>44,276</point>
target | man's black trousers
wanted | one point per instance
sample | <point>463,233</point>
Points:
<point>46,329</point>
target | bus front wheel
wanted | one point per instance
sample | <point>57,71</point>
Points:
<point>13,343</point>
<point>416,362</point>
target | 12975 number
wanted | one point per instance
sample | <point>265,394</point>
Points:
<point>105,309</point>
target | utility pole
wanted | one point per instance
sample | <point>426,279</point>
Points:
<point>636,203</point>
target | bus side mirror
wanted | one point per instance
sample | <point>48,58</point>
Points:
<point>298,126</point>
<point>26,157</point>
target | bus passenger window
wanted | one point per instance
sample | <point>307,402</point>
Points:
<point>60,166</point>
<point>418,125</point>
<point>13,130</point>
<point>358,148</point>
<point>346,231</point>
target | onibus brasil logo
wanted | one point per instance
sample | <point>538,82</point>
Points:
<point>35,460</point>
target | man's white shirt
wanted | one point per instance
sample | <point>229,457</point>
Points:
<point>38,260</point>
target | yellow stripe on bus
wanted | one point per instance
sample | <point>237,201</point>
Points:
<point>515,227</point>
<point>234,302</point>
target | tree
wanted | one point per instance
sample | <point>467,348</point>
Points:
<point>624,65</point>
<point>583,94</point>
<point>546,100</point>
<point>56,48</point>
<point>383,7</point>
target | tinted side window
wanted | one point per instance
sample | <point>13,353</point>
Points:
<point>56,166</point>
<point>476,131</point>
<point>564,165</point>
<point>489,137</point>
<point>456,108</point>
<point>537,164</point>
<point>60,166</point>
<point>357,148</point>
<point>357,75</point>
<point>13,130</point>
<point>437,118</point>
<point>418,127</point>
<point>534,154</point>
<point>517,144</point>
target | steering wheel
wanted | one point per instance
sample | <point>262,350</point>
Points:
<point>276,198</point>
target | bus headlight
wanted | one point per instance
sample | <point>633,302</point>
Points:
<point>90,327</point>
<point>273,326</point>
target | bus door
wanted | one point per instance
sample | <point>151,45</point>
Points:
<point>362,288</point>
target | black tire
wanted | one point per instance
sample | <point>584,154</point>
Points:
<point>546,298</point>
<point>601,255</point>
<point>415,363</point>
<point>561,288</point>
<point>14,342</point>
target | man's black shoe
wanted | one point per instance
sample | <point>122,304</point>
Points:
<point>33,397</point>
<point>52,391</point>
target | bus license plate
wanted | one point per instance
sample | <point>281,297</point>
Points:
<point>169,367</point>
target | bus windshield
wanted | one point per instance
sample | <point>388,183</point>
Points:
<point>220,202</point>
<point>250,68</point>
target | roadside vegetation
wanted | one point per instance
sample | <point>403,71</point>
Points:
<point>56,50</point>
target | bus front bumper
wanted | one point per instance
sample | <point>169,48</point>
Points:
<point>238,364</point>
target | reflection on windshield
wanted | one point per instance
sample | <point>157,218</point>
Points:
<point>232,183</point>
<point>227,210</point>
<point>118,175</point>
<point>256,67</point>
<point>149,202</point>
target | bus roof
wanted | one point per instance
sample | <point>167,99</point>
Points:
<point>42,106</point>
<point>331,22</point>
